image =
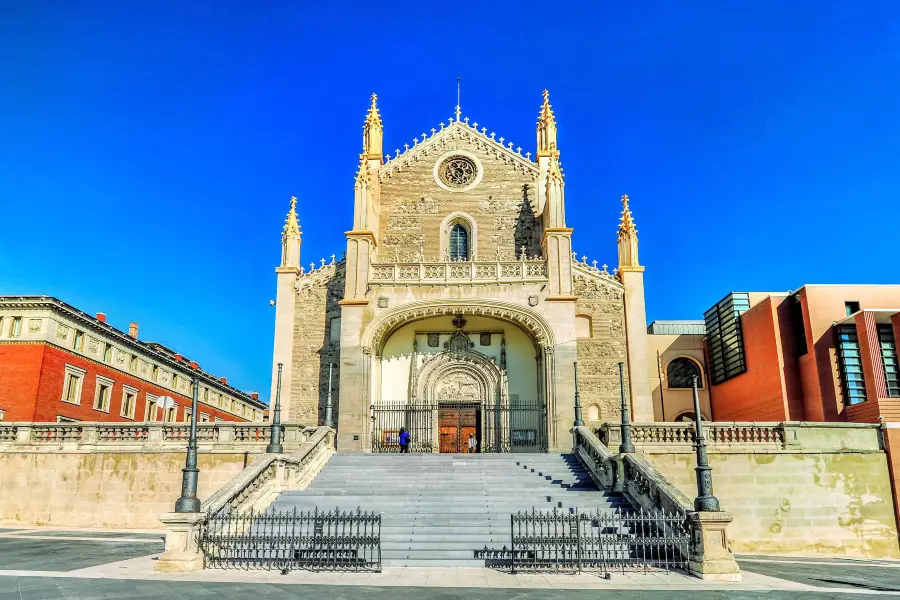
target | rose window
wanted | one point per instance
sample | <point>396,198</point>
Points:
<point>457,171</point>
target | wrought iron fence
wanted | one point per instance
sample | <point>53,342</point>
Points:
<point>446,427</point>
<point>287,540</point>
<point>600,541</point>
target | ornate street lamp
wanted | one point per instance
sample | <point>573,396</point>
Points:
<point>705,501</point>
<point>579,422</point>
<point>188,502</point>
<point>275,446</point>
<point>626,445</point>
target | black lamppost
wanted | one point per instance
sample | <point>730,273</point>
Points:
<point>705,501</point>
<point>188,502</point>
<point>626,445</point>
<point>579,422</point>
<point>275,433</point>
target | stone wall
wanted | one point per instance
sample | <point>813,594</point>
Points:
<point>826,490</point>
<point>503,206</point>
<point>315,344</point>
<point>102,489</point>
<point>601,302</point>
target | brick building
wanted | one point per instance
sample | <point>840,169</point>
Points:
<point>821,353</point>
<point>58,363</point>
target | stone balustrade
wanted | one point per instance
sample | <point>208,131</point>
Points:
<point>748,437</point>
<point>442,273</point>
<point>152,437</point>
<point>254,488</point>
<point>633,475</point>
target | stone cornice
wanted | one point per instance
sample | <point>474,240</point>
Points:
<point>362,233</point>
<point>354,302</point>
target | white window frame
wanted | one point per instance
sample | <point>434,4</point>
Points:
<point>108,348</point>
<point>171,412</point>
<point>76,338</point>
<point>15,327</point>
<point>2,413</point>
<point>154,399</point>
<point>79,373</point>
<point>187,414</point>
<point>62,419</point>
<point>127,389</point>
<point>204,417</point>
<point>101,381</point>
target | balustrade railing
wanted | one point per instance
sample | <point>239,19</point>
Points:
<point>528,270</point>
<point>717,435</point>
<point>137,436</point>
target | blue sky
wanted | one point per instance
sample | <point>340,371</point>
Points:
<point>148,150</point>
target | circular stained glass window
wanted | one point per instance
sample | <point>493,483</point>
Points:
<point>457,171</point>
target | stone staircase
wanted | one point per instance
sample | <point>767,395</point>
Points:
<point>439,509</point>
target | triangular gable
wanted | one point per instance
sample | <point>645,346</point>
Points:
<point>459,130</point>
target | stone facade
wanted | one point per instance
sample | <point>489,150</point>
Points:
<point>58,363</point>
<point>601,345</point>
<point>457,236</point>
<point>502,207</point>
<point>316,343</point>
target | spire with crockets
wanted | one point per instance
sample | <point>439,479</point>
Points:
<point>373,132</point>
<point>628,241</point>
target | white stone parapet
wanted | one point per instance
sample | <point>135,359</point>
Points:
<point>722,436</point>
<point>444,272</point>
<point>144,437</point>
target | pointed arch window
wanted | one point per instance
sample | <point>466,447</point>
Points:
<point>458,247</point>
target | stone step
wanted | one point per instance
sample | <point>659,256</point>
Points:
<point>438,510</point>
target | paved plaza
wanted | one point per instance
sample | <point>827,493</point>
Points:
<point>43,564</point>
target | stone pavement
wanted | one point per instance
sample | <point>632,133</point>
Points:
<point>38,564</point>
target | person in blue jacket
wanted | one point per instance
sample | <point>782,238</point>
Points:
<point>404,441</point>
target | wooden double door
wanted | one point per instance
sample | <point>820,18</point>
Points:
<point>456,422</point>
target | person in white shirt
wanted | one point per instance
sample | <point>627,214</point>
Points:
<point>473,443</point>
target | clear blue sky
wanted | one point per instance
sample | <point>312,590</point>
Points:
<point>148,149</point>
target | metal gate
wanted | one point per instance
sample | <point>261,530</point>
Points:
<point>446,427</point>
<point>286,540</point>
<point>599,542</point>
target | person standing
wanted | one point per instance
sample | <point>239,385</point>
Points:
<point>473,444</point>
<point>404,441</point>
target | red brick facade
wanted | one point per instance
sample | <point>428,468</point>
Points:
<point>32,377</point>
<point>784,383</point>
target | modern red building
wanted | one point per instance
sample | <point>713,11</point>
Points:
<point>60,364</point>
<point>821,353</point>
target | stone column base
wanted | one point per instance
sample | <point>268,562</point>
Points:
<point>182,553</point>
<point>710,557</point>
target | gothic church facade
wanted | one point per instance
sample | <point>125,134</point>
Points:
<point>459,310</point>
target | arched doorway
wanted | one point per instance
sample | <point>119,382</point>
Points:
<point>451,378</point>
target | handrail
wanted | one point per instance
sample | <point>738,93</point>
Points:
<point>258,484</point>
<point>628,473</point>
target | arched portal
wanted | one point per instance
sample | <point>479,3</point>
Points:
<point>448,378</point>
